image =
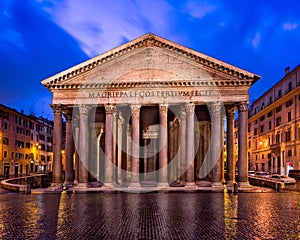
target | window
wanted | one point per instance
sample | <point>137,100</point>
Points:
<point>262,118</point>
<point>5,154</point>
<point>288,135</point>
<point>299,97</point>
<point>299,132</point>
<point>270,114</point>
<point>289,153</point>
<point>255,131</point>
<point>289,103</point>
<point>12,155</point>
<point>290,87</point>
<point>262,156</point>
<point>5,141</point>
<point>270,125</point>
<point>269,140</point>
<point>262,128</point>
<point>28,145</point>
<point>5,125</point>
<point>270,99</point>
<point>289,116</point>
<point>278,138</point>
<point>279,94</point>
<point>278,121</point>
<point>278,109</point>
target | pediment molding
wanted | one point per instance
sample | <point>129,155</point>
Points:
<point>208,63</point>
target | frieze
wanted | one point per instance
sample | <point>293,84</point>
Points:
<point>152,93</point>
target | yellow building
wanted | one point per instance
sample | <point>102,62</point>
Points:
<point>25,143</point>
<point>274,126</point>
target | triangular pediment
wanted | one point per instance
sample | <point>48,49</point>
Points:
<point>149,59</point>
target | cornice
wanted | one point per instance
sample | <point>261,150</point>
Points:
<point>151,40</point>
<point>117,85</point>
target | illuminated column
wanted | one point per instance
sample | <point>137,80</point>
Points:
<point>83,146</point>
<point>120,143</point>
<point>242,143</point>
<point>135,142</point>
<point>163,145</point>
<point>69,150</point>
<point>182,148</point>
<point>108,174</point>
<point>190,110</point>
<point>76,140</point>
<point>57,140</point>
<point>216,149</point>
<point>223,117</point>
<point>230,145</point>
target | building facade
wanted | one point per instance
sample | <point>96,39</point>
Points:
<point>149,112</point>
<point>274,126</point>
<point>25,143</point>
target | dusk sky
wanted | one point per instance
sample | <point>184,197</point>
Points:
<point>39,38</point>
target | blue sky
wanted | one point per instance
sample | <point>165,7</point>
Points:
<point>39,38</point>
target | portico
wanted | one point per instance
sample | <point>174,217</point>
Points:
<point>150,112</point>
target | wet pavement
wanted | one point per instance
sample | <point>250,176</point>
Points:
<point>150,216</point>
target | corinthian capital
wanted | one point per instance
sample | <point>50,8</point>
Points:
<point>84,109</point>
<point>215,107</point>
<point>57,108</point>
<point>163,108</point>
<point>243,107</point>
<point>110,109</point>
<point>230,111</point>
<point>190,107</point>
<point>135,108</point>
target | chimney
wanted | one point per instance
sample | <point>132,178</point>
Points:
<point>287,70</point>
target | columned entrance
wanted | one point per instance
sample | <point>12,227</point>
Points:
<point>150,113</point>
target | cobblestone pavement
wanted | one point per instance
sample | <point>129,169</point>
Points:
<point>150,216</point>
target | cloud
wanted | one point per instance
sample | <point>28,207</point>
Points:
<point>198,9</point>
<point>255,41</point>
<point>100,27</point>
<point>288,26</point>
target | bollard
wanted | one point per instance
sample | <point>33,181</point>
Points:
<point>278,187</point>
<point>235,188</point>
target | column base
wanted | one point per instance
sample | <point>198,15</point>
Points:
<point>217,185</point>
<point>190,185</point>
<point>108,185</point>
<point>134,186</point>
<point>163,184</point>
<point>68,183</point>
<point>82,185</point>
<point>231,183</point>
<point>244,185</point>
<point>75,182</point>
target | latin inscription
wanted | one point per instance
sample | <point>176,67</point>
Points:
<point>151,94</point>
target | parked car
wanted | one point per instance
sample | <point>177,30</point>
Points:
<point>251,173</point>
<point>283,178</point>
<point>262,174</point>
<point>294,174</point>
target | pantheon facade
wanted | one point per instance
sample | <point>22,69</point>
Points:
<point>150,112</point>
